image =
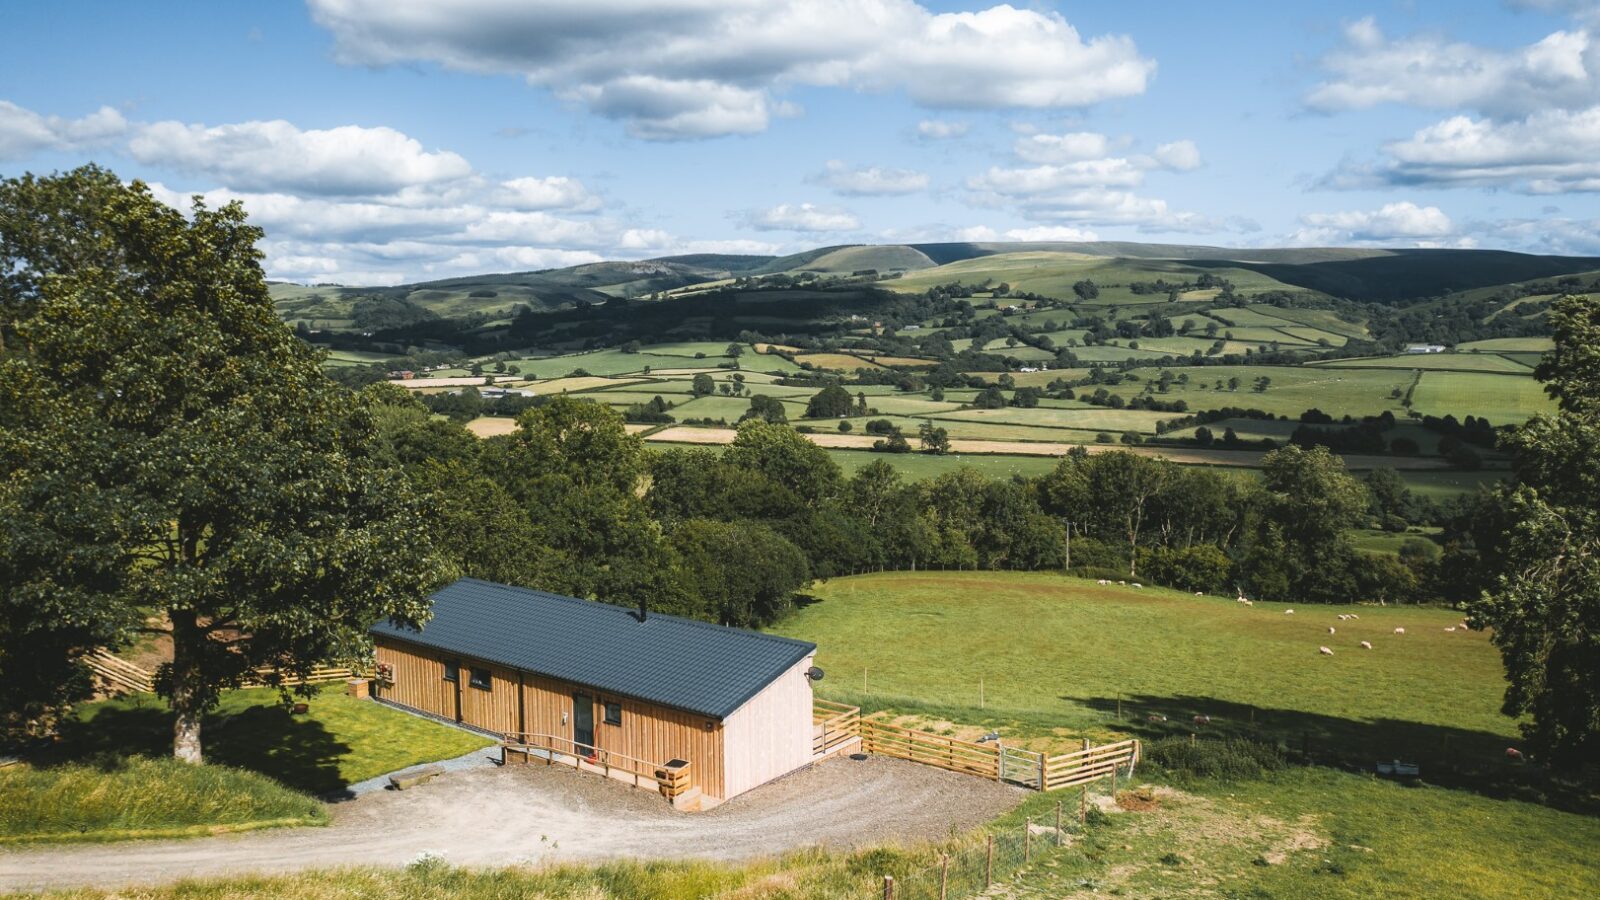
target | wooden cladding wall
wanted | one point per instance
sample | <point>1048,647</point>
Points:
<point>647,731</point>
<point>771,734</point>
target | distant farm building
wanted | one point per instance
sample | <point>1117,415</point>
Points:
<point>1426,348</point>
<point>635,693</point>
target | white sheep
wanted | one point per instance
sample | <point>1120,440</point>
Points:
<point>1451,628</point>
<point>1122,582</point>
<point>1288,612</point>
<point>1399,631</point>
<point>1249,603</point>
<point>1137,585</point>
<point>1324,651</point>
<point>1354,616</point>
<point>1366,645</point>
<point>1199,593</point>
<point>1102,581</point>
<point>1342,617</point>
<point>1331,630</point>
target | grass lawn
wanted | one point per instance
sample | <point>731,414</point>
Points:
<point>1502,399</point>
<point>339,742</point>
<point>111,798</point>
<point>1054,655</point>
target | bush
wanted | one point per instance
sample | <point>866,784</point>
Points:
<point>1231,759</point>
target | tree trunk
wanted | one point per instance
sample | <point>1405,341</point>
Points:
<point>186,686</point>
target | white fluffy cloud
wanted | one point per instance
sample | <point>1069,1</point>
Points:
<point>805,217</point>
<point>1075,178</point>
<point>1051,233</point>
<point>868,181</point>
<point>269,156</point>
<point>1403,222</point>
<point>554,192</point>
<point>1528,117</point>
<point>1549,152</point>
<point>1561,70</point>
<point>24,132</point>
<point>699,68</point>
<point>941,129</point>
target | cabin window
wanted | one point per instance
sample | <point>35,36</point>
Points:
<point>452,670</point>
<point>613,713</point>
<point>480,678</point>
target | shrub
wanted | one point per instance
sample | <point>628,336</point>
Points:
<point>1230,759</point>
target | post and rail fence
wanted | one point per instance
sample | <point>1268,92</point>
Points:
<point>116,675</point>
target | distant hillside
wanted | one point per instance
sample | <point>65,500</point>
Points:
<point>1047,268</point>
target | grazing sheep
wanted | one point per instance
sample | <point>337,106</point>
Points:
<point>1399,631</point>
<point>1137,585</point>
<point>1288,612</point>
<point>1331,630</point>
<point>1354,616</point>
<point>1451,628</point>
<point>1249,603</point>
<point>1324,651</point>
<point>1342,617</point>
<point>1202,720</point>
<point>1122,582</point>
<point>1102,581</point>
<point>1199,593</point>
<point>1513,754</point>
<point>1366,645</point>
<point>1156,717</point>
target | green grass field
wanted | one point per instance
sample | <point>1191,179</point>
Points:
<point>1502,399</point>
<point>1291,392</point>
<point>1440,362</point>
<point>339,742</point>
<point>1053,273</point>
<point>1058,656</point>
<point>112,798</point>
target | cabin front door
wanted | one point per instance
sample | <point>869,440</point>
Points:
<point>583,723</point>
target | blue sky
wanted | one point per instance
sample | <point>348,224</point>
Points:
<point>380,141</point>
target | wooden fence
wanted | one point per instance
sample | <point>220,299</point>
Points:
<point>118,676</point>
<point>833,726</point>
<point>837,723</point>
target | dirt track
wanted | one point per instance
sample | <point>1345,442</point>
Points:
<point>522,815</point>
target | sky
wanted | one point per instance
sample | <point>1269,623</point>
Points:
<point>387,141</point>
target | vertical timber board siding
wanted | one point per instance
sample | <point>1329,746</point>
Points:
<point>418,679</point>
<point>771,734</point>
<point>494,709</point>
<point>648,732</point>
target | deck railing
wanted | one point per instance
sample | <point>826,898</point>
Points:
<point>833,726</point>
<point>672,778</point>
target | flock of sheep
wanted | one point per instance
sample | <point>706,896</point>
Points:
<point>1324,650</point>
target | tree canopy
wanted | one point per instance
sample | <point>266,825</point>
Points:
<point>172,456</point>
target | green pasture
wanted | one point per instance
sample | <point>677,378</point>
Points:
<point>1292,389</point>
<point>1093,418</point>
<point>1526,344</point>
<point>1442,362</point>
<point>1502,399</point>
<point>1053,273</point>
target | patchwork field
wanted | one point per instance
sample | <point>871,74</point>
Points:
<point>1502,399</point>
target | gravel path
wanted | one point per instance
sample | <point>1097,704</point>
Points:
<point>515,815</point>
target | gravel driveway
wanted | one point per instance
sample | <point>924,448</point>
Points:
<point>493,816</point>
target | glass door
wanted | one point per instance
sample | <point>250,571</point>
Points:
<point>583,724</point>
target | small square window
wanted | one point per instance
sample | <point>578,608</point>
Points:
<point>613,713</point>
<point>480,679</point>
<point>452,671</point>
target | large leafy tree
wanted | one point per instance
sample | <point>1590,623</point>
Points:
<point>1544,601</point>
<point>1301,549</point>
<point>170,452</point>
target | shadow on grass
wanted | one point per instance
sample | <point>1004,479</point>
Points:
<point>297,750</point>
<point>1459,758</point>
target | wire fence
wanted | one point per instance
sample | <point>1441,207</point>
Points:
<point>972,868</point>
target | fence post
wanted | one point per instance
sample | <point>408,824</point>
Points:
<point>988,864</point>
<point>1043,772</point>
<point>944,877</point>
<point>888,887</point>
<point>1058,823</point>
<point>1027,840</point>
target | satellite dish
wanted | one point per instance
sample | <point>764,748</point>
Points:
<point>814,673</point>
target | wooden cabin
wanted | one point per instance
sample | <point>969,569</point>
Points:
<point>708,711</point>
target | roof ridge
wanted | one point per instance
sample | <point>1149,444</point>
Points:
<point>684,620</point>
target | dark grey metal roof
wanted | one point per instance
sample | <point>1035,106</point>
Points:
<point>693,666</point>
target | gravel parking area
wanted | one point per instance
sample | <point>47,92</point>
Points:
<point>494,816</point>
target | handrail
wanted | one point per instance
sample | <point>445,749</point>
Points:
<point>604,759</point>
